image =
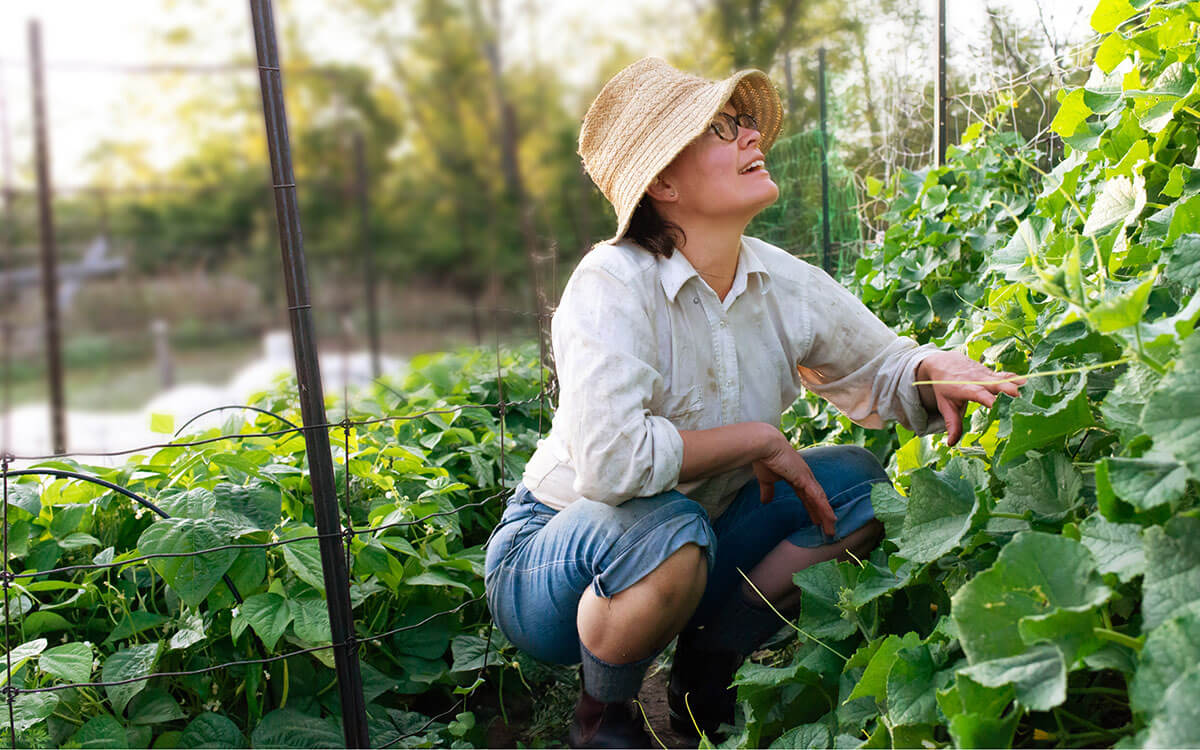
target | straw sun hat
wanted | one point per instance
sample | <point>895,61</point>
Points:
<point>650,111</point>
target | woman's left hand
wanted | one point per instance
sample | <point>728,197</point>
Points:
<point>963,379</point>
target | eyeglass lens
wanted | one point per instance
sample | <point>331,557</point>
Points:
<point>726,125</point>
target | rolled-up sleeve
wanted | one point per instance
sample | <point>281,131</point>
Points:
<point>860,365</point>
<point>604,353</point>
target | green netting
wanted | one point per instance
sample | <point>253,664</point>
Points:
<point>794,222</point>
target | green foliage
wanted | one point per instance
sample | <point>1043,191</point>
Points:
<point>425,490</point>
<point>1040,582</point>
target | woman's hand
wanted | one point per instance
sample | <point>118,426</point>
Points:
<point>950,398</point>
<point>784,462</point>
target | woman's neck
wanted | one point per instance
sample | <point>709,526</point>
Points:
<point>712,248</point>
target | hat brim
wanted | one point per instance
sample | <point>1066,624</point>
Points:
<point>750,91</point>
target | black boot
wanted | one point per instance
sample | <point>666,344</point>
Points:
<point>599,724</point>
<point>699,692</point>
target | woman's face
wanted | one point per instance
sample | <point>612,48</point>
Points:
<point>715,178</point>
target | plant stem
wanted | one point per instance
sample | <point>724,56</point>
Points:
<point>1013,516</point>
<point>789,622</point>
<point>1113,636</point>
<point>1039,374</point>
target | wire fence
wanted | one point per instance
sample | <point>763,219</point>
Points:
<point>18,581</point>
<point>348,532</point>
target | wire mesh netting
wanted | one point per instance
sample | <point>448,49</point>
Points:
<point>794,222</point>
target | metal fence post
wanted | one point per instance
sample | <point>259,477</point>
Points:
<point>58,428</point>
<point>939,97</point>
<point>826,241</point>
<point>364,206</point>
<point>308,375</point>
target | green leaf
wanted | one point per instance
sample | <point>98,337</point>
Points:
<point>197,502</point>
<point>890,508</point>
<point>1039,676</point>
<point>1117,547</point>
<point>154,707</point>
<point>436,578</point>
<point>256,507</point>
<point>1047,486</point>
<point>311,620</point>
<point>212,730</point>
<point>1122,407</point>
<point>289,728</point>
<point>269,615</point>
<point>1172,582</point>
<point>1171,653</point>
<point>805,736</point>
<point>1109,14</point>
<point>194,576</point>
<point>1119,203</point>
<point>1035,426</point>
<point>1183,261</point>
<point>1177,723</point>
<point>78,540</point>
<point>36,623</point>
<point>162,423</point>
<point>101,732</point>
<point>1144,483</point>
<point>981,731</point>
<point>873,682</point>
<point>70,662</point>
<point>135,621</point>
<point>820,616</point>
<point>1111,52</point>
<point>304,557</point>
<point>1071,113</point>
<point>189,632</point>
<point>469,652</point>
<point>911,693</point>
<point>128,664</point>
<point>941,510</point>
<point>1036,573</point>
<point>1123,308</point>
<point>30,708</point>
<point>1172,416</point>
<point>19,655</point>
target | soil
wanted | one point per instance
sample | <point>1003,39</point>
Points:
<point>653,698</point>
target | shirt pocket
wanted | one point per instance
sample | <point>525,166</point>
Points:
<point>686,409</point>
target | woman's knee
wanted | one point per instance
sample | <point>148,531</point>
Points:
<point>681,577</point>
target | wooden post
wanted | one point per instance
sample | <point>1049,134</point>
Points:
<point>58,428</point>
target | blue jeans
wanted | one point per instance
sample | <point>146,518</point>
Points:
<point>540,561</point>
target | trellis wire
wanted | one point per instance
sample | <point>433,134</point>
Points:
<point>312,427</point>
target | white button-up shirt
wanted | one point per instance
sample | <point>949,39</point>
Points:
<point>644,348</point>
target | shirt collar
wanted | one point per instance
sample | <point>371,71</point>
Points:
<point>675,271</point>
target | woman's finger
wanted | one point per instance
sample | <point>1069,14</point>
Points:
<point>766,491</point>
<point>951,412</point>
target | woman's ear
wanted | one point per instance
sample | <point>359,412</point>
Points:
<point>662,190</point>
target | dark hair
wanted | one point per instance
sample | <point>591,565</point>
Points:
<point>654,233</point>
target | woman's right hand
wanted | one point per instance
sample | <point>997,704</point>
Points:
<point>783,462</point>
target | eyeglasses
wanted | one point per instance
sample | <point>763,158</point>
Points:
<point>726,125</point>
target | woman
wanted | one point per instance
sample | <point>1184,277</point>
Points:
<point>678,345</point>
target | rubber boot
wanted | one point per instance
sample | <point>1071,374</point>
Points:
<point>699,694</point>
<point>599,724</point>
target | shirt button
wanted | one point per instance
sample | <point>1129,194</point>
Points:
<point>696,300</point>
<point>729,382</point>
<point>723,324</point>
